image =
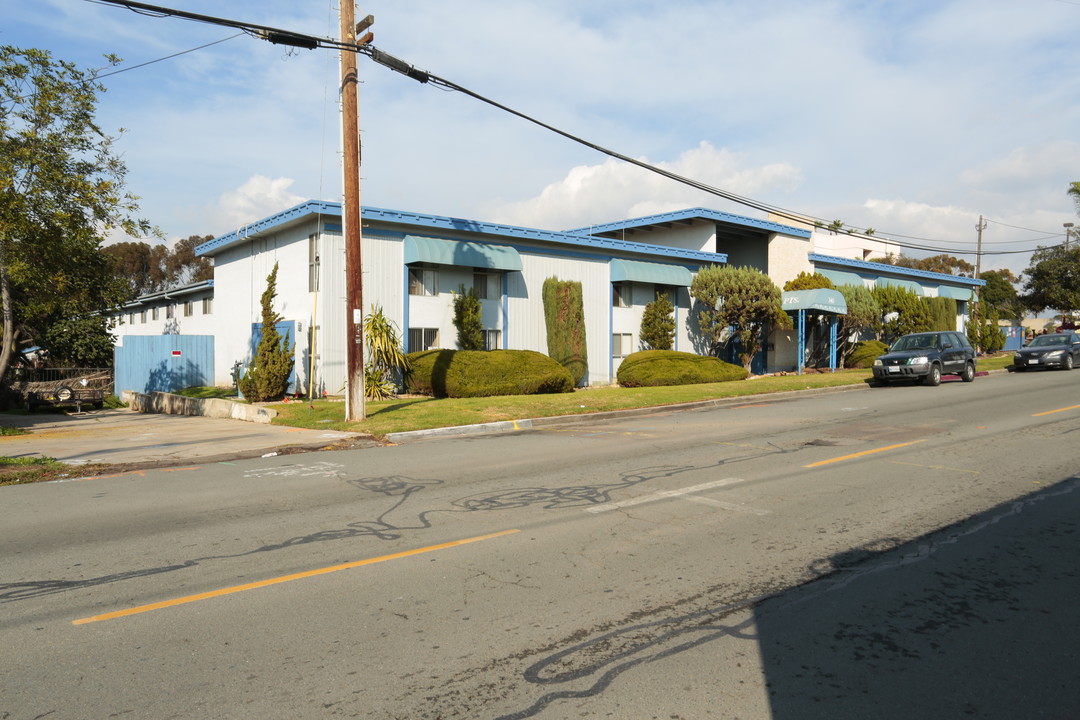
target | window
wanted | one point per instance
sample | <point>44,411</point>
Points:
<point>666,291</point>
<point>131,318</point>
<point>620,294</point>
<point>189,308</point>
<point>492,339</point>
<point>421,339</point>
<point>154,312</point>
<point>207,306</point>
<point>313,263</point>
<point>488,285</point>
<point>621,344</point>
<point>423,281</point>
<point>170,312</point>
<point>142,317</point>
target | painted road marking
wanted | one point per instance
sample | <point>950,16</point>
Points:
<point>663,495</point>
<point>861,454</point>
<point>1051,412</point>
<point>285,578</point>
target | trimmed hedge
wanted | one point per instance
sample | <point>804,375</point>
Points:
<point>650,368</point>
<point>865,353</point>
<point>473,373</point>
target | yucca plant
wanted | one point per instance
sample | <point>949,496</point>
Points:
<point>387,362</point>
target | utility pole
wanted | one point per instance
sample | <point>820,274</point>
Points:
<point>350,211</point>
<point>978,271</point>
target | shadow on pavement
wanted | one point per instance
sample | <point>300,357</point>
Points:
<point>978,620</point>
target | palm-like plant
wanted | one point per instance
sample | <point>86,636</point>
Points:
<point>387,362</point>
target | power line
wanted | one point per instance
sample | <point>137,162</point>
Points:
<point>167,57</point>
<point>296,39</point>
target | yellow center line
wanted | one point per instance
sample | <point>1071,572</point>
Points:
<point>1051,412</point>
<point>864,452</point>
<point>285,578</point>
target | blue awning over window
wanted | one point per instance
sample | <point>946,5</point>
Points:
<point>463,253</point>
<point>822,300</point>
<point>953,292</point>
<point>841,277</point>
<point>897,282</point>
<point>646,272</point>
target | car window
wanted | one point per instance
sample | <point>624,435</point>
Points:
<point>1048,340</point>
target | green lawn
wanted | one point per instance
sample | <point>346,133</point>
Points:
<point>402,415</point>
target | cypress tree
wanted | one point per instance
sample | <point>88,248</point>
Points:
<point>267,377</point>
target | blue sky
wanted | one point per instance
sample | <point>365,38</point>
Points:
<point>912,117</point>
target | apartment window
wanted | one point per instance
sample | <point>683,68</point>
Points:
<point>154,312</point>
<point>131,318</point>
<point>621,344</point>
<point>488,285</point>
<point>207,306</point>
<point>170,312</point>
<point>620,294</point>
<point>665,291</point>
<point>189,308</point>
<point>423,339</point>
<point>492,340</point>
<point>142,317</point>
<point>313,263</point>
<point>423,281</point>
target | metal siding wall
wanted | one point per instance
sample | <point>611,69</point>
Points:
<point>527,328</point>
<point>146,363</point>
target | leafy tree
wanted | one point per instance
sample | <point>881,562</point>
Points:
<point>808,281</point>
<point>942,312</point>
<point>470,328</point>
<point>1053,279</point>
<point>901,312</point>
<point>985,333</point>
<point>1074,193</point>
<point>183,266</point>
<point>1000,293</point>
<point>150,268</point>
<point>267,377</point>
<point>741,298</point>
<point>386,359</point>
<point>564,317</point>
<point>658,324</point>
<point>61,190</point>
<point>863,315</point>
<point>945,264</point>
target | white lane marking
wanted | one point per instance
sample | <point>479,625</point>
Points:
<point>663,495</point>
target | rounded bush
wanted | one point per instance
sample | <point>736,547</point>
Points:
<point>475,373</point>
<point>649,368</point>
<point>864,353</point>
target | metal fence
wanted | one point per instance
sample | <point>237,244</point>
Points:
<point>25,378</point>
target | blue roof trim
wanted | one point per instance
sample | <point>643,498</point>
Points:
<point>886,270</point>
<point>693,214</point>
<point>369,214</point>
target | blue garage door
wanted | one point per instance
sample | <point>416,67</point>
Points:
<point>163,363</point>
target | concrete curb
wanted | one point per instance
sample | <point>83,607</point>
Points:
<point>169,404</point>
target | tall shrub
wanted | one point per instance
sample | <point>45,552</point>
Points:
<point>863,315</point>
<point>267,377</point>
<point>901,312</point>
<point>942,311</point>
<point>658,324</point>
<point>470,328</point>
<point>564,315</point>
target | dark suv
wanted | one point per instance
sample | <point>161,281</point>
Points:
<point>925,357</point>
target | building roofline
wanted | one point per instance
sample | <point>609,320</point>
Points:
<point>171,293</point>
<point>886,270</point>
<point>693,214</point>
<point>439,222</point>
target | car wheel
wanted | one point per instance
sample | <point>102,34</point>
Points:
<point>933,379</point>
<point>969,373</point>
<point>64,393</point>
<point>1067,363</point>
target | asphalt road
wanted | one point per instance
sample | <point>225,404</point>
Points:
<point>902,552</point>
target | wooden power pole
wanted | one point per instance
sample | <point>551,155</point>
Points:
<point>350,211</point>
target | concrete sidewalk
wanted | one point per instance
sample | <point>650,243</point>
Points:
<point>122,437</point>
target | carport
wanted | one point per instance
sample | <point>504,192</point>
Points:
<point>820,302</point>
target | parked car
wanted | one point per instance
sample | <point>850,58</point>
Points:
<point>925,357</point>
<point>1055,350</point>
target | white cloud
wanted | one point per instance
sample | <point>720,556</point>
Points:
<point>257,198</point>
<point>616,190</point>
